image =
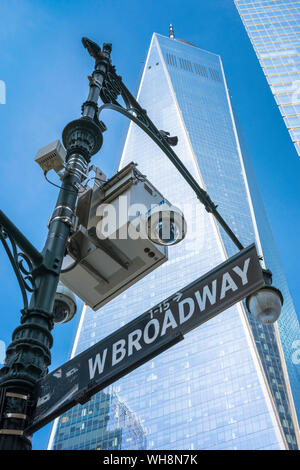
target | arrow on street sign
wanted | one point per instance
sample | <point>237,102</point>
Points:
<point>178,296</point>
<point>145,337</point>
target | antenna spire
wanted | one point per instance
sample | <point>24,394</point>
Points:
<point>171,32</point>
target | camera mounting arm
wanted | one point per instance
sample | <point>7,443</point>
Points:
<point>112,88</point>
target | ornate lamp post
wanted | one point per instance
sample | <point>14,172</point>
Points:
<point>28,356</point>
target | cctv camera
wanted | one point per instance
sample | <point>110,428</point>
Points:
<point>165,224</point>
<point>64,307</point>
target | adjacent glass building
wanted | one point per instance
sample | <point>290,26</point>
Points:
<point>273,27</point>
<point>105,422</point>
<point>231,383</point>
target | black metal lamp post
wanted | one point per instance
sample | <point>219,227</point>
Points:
<point>28,356</point>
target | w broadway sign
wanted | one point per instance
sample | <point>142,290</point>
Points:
<point>145,337</point>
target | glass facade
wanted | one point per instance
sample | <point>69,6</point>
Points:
<point>224,386</point>
<point>105,422</point>
<point>274,30</point>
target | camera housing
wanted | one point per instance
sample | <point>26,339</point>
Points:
<point>113,250</point>
<point>64,307</point>
<point>51,157</point>
<point>165,224</point>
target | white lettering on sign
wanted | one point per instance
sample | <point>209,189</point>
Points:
<point>154,322</point>
<point>206,293</point>
<point>98,364</point>
<point>133,341</point>
<point>148,335</point>
<point>184,316</point>
<point>243,272</point>
<point>227,284</point>
<point>118,352</point>
<point>182,311</point>
<point>169,320</point>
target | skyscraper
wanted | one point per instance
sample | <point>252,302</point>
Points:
<point>273,27</point>
<point>227,385</point>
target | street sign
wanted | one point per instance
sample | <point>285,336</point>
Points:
<point>147,336</point>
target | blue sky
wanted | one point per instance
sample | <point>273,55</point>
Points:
<point>45,68</point>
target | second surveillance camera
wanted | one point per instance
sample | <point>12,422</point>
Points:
<point>64,307</point>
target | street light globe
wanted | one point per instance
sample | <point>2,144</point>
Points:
<point>165,225</point>
<point>265,304</point>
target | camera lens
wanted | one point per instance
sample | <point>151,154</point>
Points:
<point>60,311</point>
<point>165,225</point>
<point>166,232</point>
<point>64,307</point>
